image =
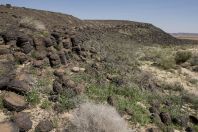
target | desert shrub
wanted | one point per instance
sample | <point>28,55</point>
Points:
<point>33,97</point>
<point>182,56</point>
<point>166,60</point>
<point>46,104</point>
<point>176,86</point>
<point>31,23</point>
<point>194,60</point>
<point>97,118</point>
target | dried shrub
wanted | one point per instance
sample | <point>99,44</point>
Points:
<point>97,118</point>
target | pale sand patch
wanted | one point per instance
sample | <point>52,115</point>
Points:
<point>182,76</point>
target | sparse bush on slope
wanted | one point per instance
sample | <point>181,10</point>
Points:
<point>182,56</point>
<point>97,118</point>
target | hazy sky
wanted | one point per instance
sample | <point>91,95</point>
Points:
<point>170,15</point>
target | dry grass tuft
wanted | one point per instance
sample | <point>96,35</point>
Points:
<point>97,118</point>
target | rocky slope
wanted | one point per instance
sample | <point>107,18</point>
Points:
<point>51,62</point>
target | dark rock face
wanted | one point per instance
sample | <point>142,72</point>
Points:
<point>23,121</point>
<point>44,126</point>
<point>19,86</point>
<point>165,118</point>
<point>54,60</point>
<point>193,119</point>
<point>8,127</point>
<point>14,102</point>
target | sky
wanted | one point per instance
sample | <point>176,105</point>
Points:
<point>172,16</point>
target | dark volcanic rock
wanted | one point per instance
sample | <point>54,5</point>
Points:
<point>4,81</point>
<point>110,100</point>
<point>8,127</point>
<point>19,86</point>
<point>62,57</point>
<point>23,121</point>
<point>165,117</point>
<point>57,87</point>
<point>189,129</point>
<point>14,102</point>
<point>181,121</point>
<point>54,60</point>
<point>9,36</point>
<point>44,126</point>
<point>20,57</point>
<point>67,44</point>
<point>193,119</point>
<point>154,110</point>
<point>50,41</point>
<point>25,43</point>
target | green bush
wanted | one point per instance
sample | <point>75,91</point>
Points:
<point>33,97</point>
<point>46,104</point>
<point>182,56</point>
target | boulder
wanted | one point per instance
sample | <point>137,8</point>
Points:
<point>9,36</point>
<point>193,119</point>
<point>44,126</point>
<point>57,87</point>
<point>25,43</point>
<point>165,118</point>
<point>8,127</point>
<point>111,100</point>
<point>22,120</point>
<point>18,86</point>
<point>68,84</point>
<point>59,73</point>
<point>39,43</point>
<point>14,102</point>
<point>62,57</point>
<point>54,60</point>
<point>4,81</point>
<point>38,63</point>
<point>77,69</point>
<point>180,120</point>
<point>153,110</point>
<point>67,43</point>
<point>50,41</point>
<point>20,57</point>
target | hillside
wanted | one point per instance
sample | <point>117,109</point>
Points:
<point>61,73</point>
